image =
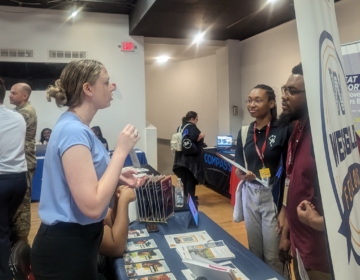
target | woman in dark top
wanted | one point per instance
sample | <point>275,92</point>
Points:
<point>45,136</point>
<point>98,133</point>
<point>189,167</point>
<point>265,147</point>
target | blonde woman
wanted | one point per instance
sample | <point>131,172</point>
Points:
<point>78,178</point>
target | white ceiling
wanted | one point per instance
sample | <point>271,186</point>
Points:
<point>178,49</point>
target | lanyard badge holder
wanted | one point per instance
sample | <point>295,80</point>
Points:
<point>294,141</point>
<point>265,174</point>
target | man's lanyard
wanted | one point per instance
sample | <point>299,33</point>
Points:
<point>261,155</point>
<point>294,142</point>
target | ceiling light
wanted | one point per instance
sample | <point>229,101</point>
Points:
<point>74,14</point>
<point>162,58</point>
<point>199,38</point>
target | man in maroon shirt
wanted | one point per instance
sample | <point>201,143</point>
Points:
<point>304,228</point>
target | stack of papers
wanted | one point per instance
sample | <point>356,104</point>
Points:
<point>143,256</point>
<point>140,245</point>
<point>190,238</point>
<point>168,276</point>
<point>210,271</point>
<point>146,268</point>
<point>138,233</point>
<point>214,251</point>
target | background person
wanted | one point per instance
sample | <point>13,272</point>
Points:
<point>189,167</point>
<point>302,185</point>
<point>79,178</point>
<point>265,144</point>
<point>98,133</point>
<point>44,136</point>
<point>13,183</point>
<point>19,96</point>
<point>117,224</point>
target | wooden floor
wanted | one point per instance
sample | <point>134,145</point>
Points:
<point>214,205</point>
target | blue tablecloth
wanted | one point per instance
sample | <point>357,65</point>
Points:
<point>248,263</point>
<point>36,183</point>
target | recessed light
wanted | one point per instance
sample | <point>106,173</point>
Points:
<point>162,58</point>
<point>199,38</point>
<point>74,14</point>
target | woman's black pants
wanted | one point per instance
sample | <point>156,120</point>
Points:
<point>188,179</point>
<point>12,191</point>
<point>66,251</point>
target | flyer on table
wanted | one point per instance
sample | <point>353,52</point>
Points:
<point>140,245</point>
<point>168,276</point>
<point>143,256</point>
<point>146,268</point>
<point>192,238</point>
<point>216,250</point>
<point>139,233</point>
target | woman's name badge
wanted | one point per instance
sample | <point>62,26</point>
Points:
<point>286,191</point>
<point>265,173</point>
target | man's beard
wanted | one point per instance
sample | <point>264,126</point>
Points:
<point>286,119</point>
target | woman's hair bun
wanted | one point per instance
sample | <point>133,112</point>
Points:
<point>58,93</point>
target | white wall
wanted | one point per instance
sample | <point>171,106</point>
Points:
<point>269,57</point>
<point>174,88</point>
<point>99,35</point>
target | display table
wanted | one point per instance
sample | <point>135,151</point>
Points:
<point>248,263</point>
<point>37,180</point>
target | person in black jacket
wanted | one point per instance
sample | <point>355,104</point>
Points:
<point>189,167</point>
<point>98,133</point>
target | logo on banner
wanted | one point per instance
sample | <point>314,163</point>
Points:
<point>341,150</point>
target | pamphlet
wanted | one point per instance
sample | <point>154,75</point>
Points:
<point>193,238</point>
<point>140,245</point>
<point>139,233</point>
<point>239,275</point>
<point>143,256</point>
<point>146,268</point>
<point>215,250</point>
<point>168,276</point>
<point>188,274</point>
<point>210,271</point>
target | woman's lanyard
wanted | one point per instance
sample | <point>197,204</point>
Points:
<point>264,172</point>
<point>294,142</point>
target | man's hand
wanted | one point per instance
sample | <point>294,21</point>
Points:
<point>281,221</point>
<point>309,216</point>
<point>127,178</point>
<point>284,250</point>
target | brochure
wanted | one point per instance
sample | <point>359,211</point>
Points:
<point>216,250</point>
<point>140,245</point>
<point>168,276</point>
<point>193,238</point>
<point>210,271</point>
<point>139,233</point>
<point>188,274</point>
<point>146,268</point>
<point>143,256</point>
<point>239,275</point>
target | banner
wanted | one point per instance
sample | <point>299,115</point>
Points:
<point>351,56</point>
<point>333,132</point>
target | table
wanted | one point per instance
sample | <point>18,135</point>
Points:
<point>217,171</point>
<point>248,263</point>
<point>37,180</point>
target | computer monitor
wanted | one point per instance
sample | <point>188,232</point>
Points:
<point>40,150</point>
<point>224,141</point>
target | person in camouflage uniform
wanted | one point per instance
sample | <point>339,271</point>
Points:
<point>19,96</point>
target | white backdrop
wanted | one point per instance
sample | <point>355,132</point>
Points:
<point>333,132</point>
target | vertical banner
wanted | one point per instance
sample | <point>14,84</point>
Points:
<point>351,56</point>
<point>333,132</point>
